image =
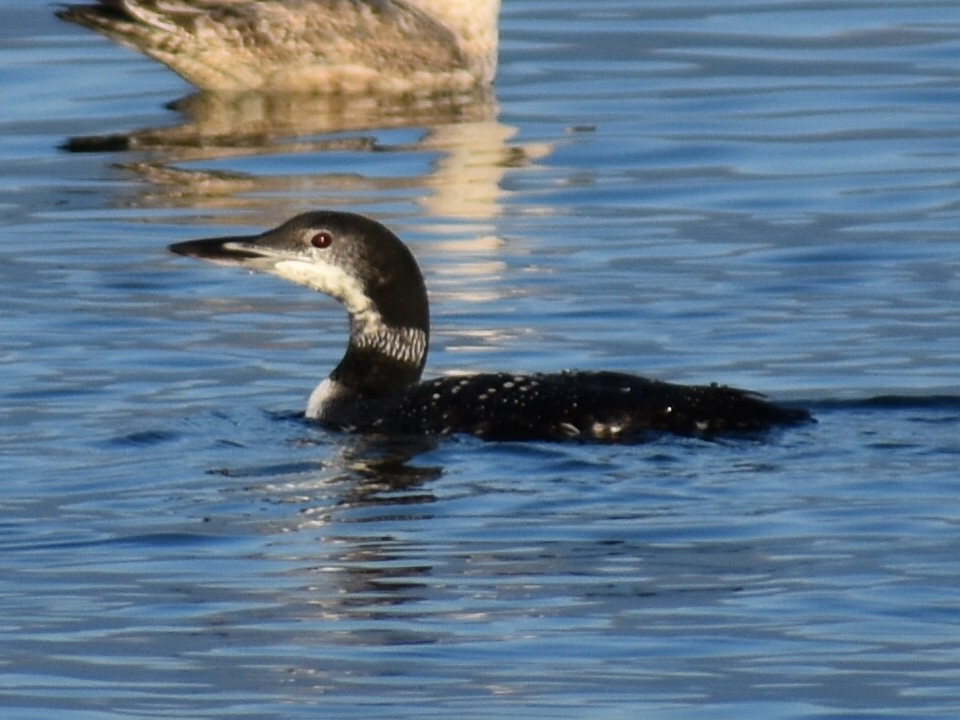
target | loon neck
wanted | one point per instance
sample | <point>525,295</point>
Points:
<point>377,364</point>
<point>381,361</point>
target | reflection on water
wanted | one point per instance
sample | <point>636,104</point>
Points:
<point>220,125</point>
<point>365,482</point>
<point>472,149</point>
<point>370,470</point>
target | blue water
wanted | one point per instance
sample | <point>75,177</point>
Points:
<point>762,194</point>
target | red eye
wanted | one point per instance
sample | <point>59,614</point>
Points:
<point>321,240</point>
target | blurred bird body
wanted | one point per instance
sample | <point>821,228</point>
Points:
<point>308,46</point>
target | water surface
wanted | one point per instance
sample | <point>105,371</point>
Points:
<point>762,194</point>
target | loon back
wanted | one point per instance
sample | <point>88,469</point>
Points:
<point>307,46</point>
<point>595,406</point>
<point>376,387</point>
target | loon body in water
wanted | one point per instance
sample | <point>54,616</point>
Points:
<point>376,388</point>
<point>308,46</point>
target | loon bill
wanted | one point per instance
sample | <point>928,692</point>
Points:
<point>308,46</point>
<point>376,388</point>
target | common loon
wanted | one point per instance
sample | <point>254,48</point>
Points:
<point>376,388</point>
<point>308,46</point>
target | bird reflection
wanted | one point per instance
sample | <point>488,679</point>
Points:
<point>464,149</point>
<point>361,485</point>
<point>382,474</point>
<point>243,123</point>
<point>360,471</point>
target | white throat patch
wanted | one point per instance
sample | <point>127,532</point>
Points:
<point>338,284</point>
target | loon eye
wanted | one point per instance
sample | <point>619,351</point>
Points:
<point>321,240</point>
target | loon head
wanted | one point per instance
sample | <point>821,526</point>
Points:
<point>362,264</point>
